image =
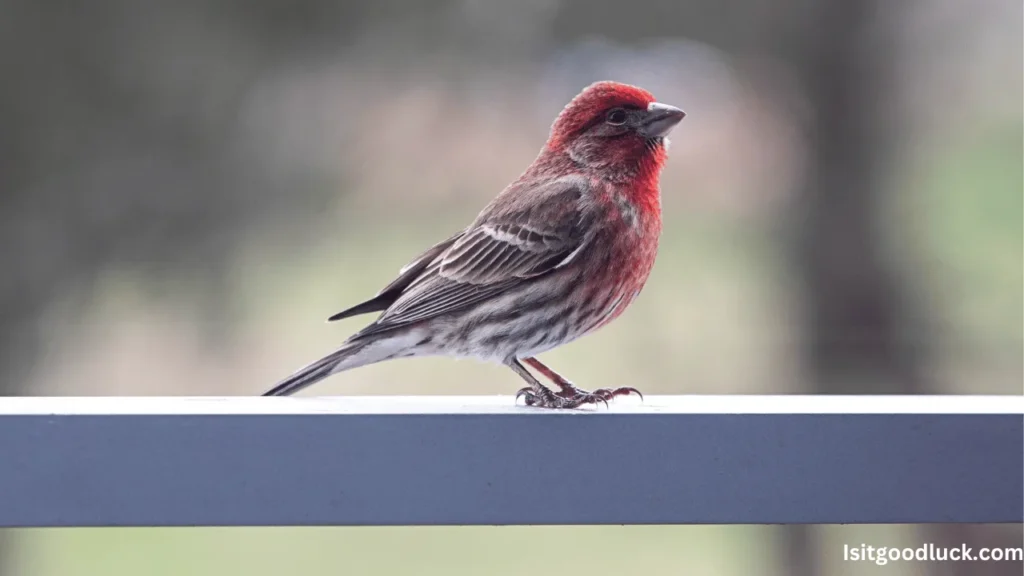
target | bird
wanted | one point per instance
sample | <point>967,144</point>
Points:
<point>559,253</point>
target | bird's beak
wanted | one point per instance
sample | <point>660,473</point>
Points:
<point>660,120</point>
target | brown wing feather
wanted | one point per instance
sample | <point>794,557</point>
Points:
<point>495,251</point>
<point>529,233</point>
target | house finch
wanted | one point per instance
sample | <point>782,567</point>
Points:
<point>559,253</point>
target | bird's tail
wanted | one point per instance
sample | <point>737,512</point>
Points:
<point>317,371</point>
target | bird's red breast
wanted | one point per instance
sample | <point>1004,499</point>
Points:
<point>624,173</point>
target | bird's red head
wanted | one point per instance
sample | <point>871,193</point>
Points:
<point>616,129</point>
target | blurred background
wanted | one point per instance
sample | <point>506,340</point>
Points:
<point>188,189</point>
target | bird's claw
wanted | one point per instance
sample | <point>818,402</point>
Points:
<point>572,397</point>
<point>543,398</point>
<point>531,396</point>
<point>609,393</point>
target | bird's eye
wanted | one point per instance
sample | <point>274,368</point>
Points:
<point>616,117</point>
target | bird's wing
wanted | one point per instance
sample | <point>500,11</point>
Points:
<point>523,234</point>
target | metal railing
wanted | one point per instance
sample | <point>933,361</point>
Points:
<point>481,460</point>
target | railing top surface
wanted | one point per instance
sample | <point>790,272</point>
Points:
<point>503,405</point>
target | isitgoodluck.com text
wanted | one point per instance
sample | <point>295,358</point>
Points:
<point>883,555</point>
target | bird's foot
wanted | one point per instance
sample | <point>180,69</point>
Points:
<point>572,397</point>
<point>541,398</point>
<point>580,396</point>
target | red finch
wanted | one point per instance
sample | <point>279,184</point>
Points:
<point>559,253</point>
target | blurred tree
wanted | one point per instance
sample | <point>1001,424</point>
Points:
<point>860,335</point>
<point>863,332</point>
<point>853,300</point>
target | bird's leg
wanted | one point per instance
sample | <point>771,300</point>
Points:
<point>536,394</point>
<point>566,388</point>
<point>569,391</point>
